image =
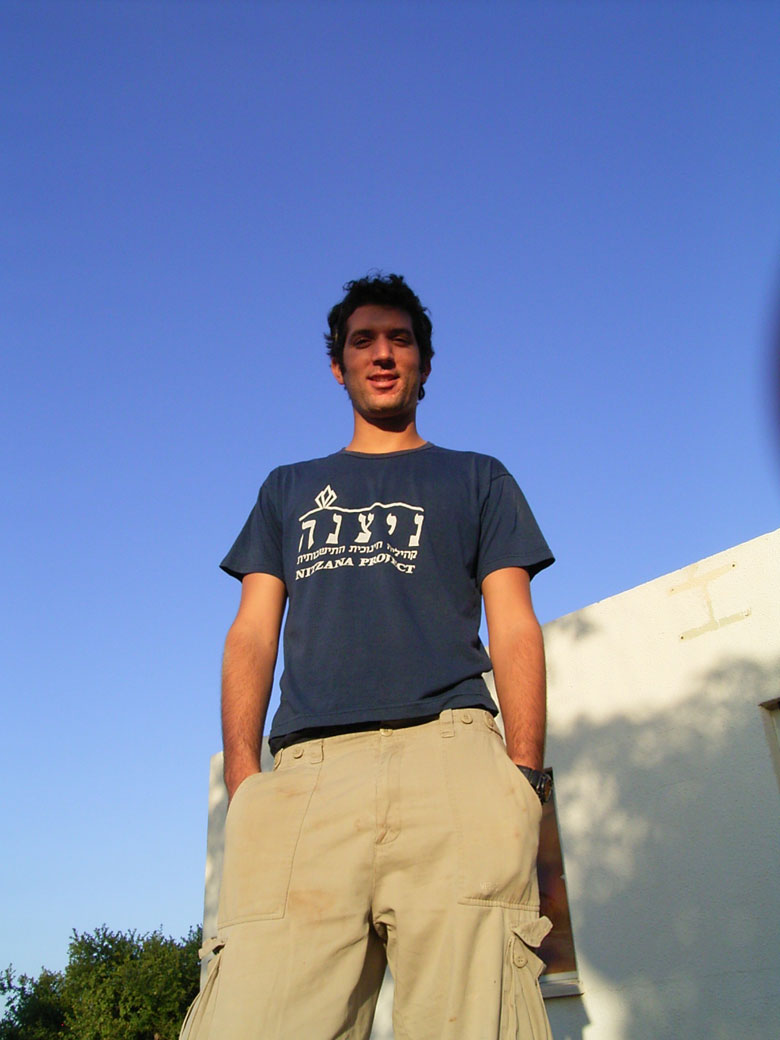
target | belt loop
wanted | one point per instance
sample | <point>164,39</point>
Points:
<point>278,758</point>
<point>315,751</point>
<point>446,725</point>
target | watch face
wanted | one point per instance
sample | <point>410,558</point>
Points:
<point>539,780</point>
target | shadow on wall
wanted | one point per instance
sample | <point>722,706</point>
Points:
<point>670,828</point>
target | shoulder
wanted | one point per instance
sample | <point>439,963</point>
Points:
<point>282,475</point>
<point>457,456</point>
<point>486,467</point>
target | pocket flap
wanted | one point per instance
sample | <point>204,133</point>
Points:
<point>213,945</point>
<point>533,930</point>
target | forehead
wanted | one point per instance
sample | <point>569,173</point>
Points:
<point>379,319</point>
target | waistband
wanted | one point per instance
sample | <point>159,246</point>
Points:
<point>277,744</point>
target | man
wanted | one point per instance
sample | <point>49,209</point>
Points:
<point>396,826</point>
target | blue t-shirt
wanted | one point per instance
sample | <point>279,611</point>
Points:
<point>383,558</point>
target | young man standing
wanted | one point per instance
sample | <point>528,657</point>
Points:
<point>396,826</point>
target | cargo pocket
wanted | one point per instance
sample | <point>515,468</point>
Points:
<point>498,816</point>
<point>523,1016</point>
<point>197,1021</point>
<point>262,829</point>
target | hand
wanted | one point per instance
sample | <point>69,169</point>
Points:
<point>236,778</point>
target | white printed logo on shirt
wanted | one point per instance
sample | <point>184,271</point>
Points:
<point>383,533</point>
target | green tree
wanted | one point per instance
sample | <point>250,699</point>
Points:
<point>116,986</point>
<point>35,1008</point>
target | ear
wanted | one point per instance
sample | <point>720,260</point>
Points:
<point>338,374</point>
<point>425,370</point>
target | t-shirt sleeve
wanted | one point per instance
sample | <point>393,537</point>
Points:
<point>509,533</point>
<point>258,548</point>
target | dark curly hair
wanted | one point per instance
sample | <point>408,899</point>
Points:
<point>381,290</point>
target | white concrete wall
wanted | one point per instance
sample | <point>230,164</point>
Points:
<point>668,805</point>
<point>668,802</point>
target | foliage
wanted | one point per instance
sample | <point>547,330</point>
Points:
<point>35,1008</point>
<point>116,986</point>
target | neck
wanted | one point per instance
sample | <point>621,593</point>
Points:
<point>382,437</point>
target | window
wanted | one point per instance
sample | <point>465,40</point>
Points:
<point>771,713</point>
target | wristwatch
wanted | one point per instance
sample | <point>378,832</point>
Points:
<point>541,782</point>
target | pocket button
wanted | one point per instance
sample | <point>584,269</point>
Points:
<point>297,751</point>
<point>519,957</point>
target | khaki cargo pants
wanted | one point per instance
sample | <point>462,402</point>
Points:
<point>416,846</point>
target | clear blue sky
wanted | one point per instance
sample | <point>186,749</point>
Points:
<point>587,197</point>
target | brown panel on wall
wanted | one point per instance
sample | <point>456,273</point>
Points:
<point>557,950</point>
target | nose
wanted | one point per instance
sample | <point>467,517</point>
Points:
<point>382,350</point>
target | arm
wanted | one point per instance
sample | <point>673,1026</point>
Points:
<point>247,674</point>
<point>517,653</point>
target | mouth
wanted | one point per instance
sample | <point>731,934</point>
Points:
<point>383,380</point>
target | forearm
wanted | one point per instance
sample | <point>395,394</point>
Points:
<point>247,677</point>
<point>517,654</point>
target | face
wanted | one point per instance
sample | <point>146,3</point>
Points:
<point>382,372</point>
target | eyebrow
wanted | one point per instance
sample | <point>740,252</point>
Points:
<point>401,329</point>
